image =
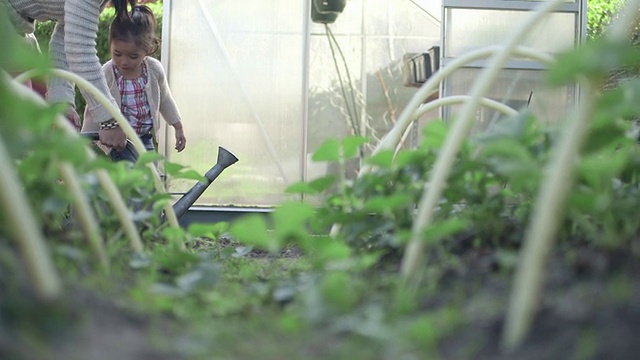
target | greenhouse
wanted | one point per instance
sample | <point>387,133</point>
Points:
<point>271,83</point>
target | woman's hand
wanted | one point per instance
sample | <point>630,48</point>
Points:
<point>73,118</point>
<point>113,138</point>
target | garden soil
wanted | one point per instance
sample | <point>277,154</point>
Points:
<point>590,309</point>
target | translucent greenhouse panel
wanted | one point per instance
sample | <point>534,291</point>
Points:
<point>518,89</point>
<point>403,18</point>
<point>246,78</point>
<point>386,94</point>
<point>237,72</point>
<point>469,29</point>
<point>329,115</point>
<point>373,37</point>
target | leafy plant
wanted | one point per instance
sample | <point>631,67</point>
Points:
<point>600,15</point>
<point>331,270</point>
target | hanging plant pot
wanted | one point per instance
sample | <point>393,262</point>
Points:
<point>324,6</point>
<point>326,11</point>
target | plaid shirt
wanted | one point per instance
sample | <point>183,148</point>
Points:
<point>135,105</point>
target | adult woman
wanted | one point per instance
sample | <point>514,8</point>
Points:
<point>72,48</point>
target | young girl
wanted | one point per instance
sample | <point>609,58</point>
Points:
<point>138,81</point>
<point>72,48</point>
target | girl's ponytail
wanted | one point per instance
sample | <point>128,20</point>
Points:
<point>121,7</point>
<point>143,16</point>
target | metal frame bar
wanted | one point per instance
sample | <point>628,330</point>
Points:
<point>512,64</point>
<point>164,54</point>
<point>507,5</point>
<point>306,80</point>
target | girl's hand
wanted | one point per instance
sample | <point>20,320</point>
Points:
<point>181,141</point>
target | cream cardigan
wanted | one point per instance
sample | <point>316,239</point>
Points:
<point>72,47</point>
<point>158,93</point>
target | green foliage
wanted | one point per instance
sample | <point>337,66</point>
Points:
<point>600,13</point>
<point>595,61</point>
<point>327,270</point>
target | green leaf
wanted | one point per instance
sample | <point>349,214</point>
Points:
<point>328,151</point>
<point>316,186</point>
<point>599,169</point>
<point>327,249</point>
<point>506,148</point>
<point>339,290</point>
<point>178,171</point>
<point>173,259</point>
<point>603,136</point>
<point>212,231</point>
<point>383,159</point>
<point>176,236</point>
<point>191,175</point>
<point>290,220</point>
<point>351,145</point>
<point>434,134</point>
<point>407,157</point>
<point>252,230</point>
<point>148,157</point>
<point>440,230</point>
<point>172,168</point>
<point>594,60</point>
<point>381,204</point>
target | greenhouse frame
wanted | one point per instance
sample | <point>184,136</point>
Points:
<point>271,81</point>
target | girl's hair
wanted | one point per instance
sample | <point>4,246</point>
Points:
<point>138,26</point>
<point>121,7</point>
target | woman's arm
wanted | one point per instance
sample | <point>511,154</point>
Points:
<point>76,39</point>
<point>79,32</point>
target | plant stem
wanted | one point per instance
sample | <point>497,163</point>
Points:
<point>121,210</point>
<point>23,224</point>
<point>85,214</point>
<point>414,253</point>
<point>457,99</point>
<point>541,231</point>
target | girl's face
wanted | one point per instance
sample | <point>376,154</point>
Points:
<point>127,57</point>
